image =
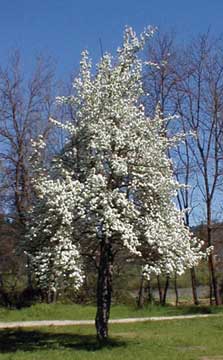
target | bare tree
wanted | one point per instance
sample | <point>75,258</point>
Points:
<point>185,173</point>
<point>25,107</point>
<point>163,83</point>
<point>201,108</point>
<point>160,79</point>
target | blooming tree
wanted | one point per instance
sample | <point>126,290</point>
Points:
<point>112,185</point>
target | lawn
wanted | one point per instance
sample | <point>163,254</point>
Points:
<point>197,339</point>
<point>82,312</point>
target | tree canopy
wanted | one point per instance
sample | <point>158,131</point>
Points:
<point>112,185</point>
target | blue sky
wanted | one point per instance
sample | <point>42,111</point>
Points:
<point>63,28</point>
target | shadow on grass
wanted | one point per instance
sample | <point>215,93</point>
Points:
<point>27,340</point>
<point>170,310</point>
<point>193,310</point>
<point>188,310</point>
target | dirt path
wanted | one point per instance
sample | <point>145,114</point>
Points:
<point>41,323</point>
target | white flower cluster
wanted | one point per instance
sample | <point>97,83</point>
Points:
<point>54,257</point>
<point>114,179</point>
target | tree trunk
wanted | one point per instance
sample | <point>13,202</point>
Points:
<point>210,292</point>
<point>150,295</point>
<point>140,300</point>
<point>29,273</point>
<point>214,280</point>
<point>194,286</point>
<point>104,289</point>
<point>212,269</point>
<point>1,281</point>
<point>176,290</point>
<point>160,290</point>
<point>165,290</point>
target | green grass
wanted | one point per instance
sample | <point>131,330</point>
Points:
<point>82,312</point>
<point>197,339</point>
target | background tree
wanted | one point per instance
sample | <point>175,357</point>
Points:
<point>162,84</point>
<point>25,106</point>
<point>201,108</point>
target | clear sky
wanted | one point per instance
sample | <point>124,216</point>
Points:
<point>62,28</point>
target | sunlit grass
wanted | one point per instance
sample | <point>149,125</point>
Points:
<point>198,339</point>
<point>86,312</point>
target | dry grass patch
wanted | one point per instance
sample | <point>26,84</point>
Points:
<point>220,357</point>
<point>191,348</point>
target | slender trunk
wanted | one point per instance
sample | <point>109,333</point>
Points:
<point>104,289</point>
<point>176,290</point>
<point>150,295</point>
<point>211,260</point>
<point>165,290</point>
<point>29,273</point>
<point>159,289</point>
<point>192,270</point>
<point>49,296</point>
<point>210,292</point>
<point>140,300</point>
<point>1,281</point>
<point>194,286</point>
<point>214,280</point>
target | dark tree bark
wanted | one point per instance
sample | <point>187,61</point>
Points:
<point>29,273</point>
<point>214,287</point>
<point>165,290</point>
<point>194,286</point>
<point>176,290</point>
<point>140,300</point>
<point>150,295</point>
<point>160,290</point>
<point>210,292</point>
<point>104,289</point>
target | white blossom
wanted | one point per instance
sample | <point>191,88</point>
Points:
<point>112,179</point>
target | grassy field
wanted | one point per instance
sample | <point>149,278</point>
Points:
<point>81,312</point>
<point>175,339</point>
<point>197,339</point>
